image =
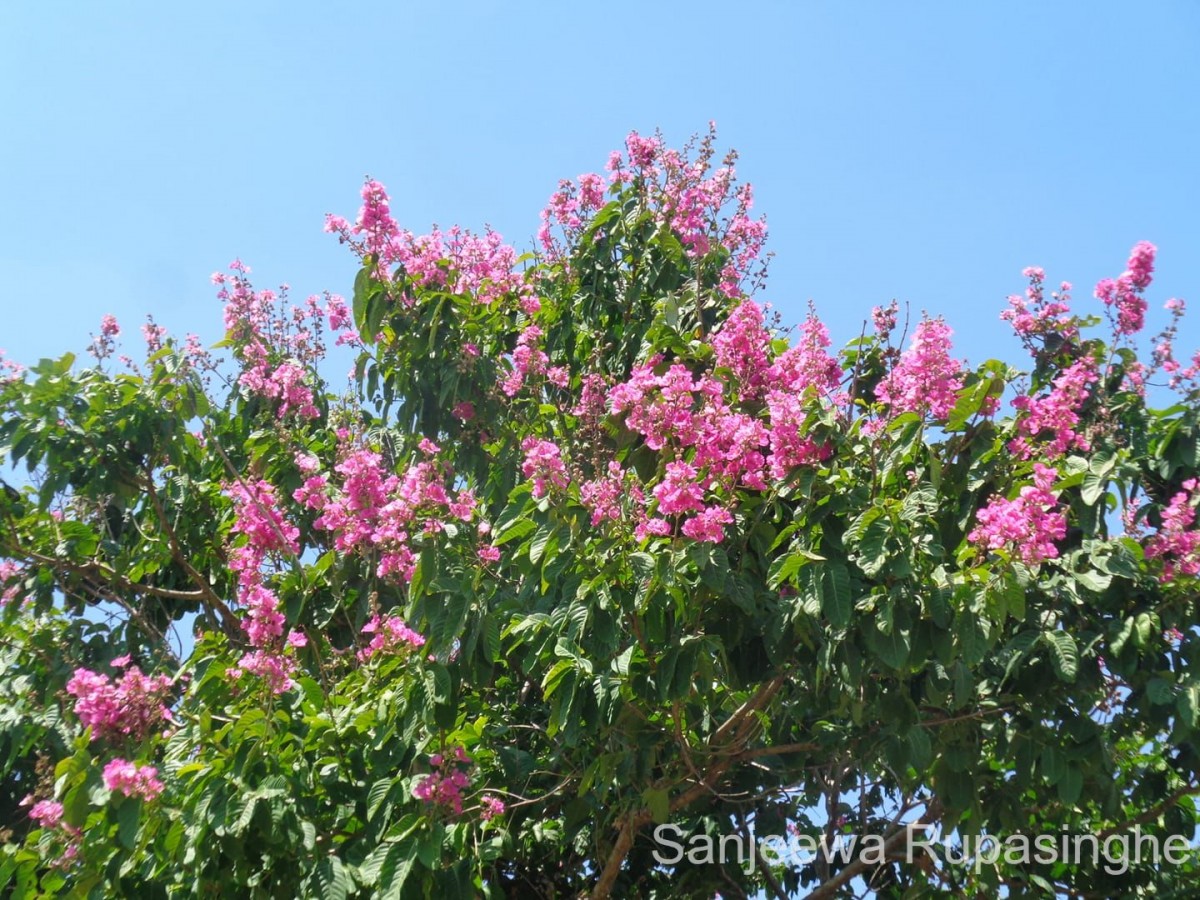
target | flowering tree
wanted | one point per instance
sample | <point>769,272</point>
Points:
<point>590,546</point>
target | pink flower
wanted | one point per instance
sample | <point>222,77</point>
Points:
<point>47,813</point>
<point>491,807</point>
<point>1177,541</point>
<point>9,571</point>
<point>543,465</point>
<point>105,343</point>
<point>1028,526</point>
<point>154,335</point>
<point>1141,264</point>
<point>489,553</point>
<point>884,319</point>
<point>131,707</point>
<point>927,379</point>
<point>740,345</point>
<point>306,463</point>
<point>708,524</point>
<point>390,635</point>
<point>679,491</point>
<point>132,780</point>
<point>527,361</point>
<point>651,527</point>
<point>1125,293</point>
<point>1035,316</point>
<point>807,367</point>
<point>259,518</point>
<point>444,787</point>
<point>1056,413</point>
<point>273,667</point>
<point>603,496</point>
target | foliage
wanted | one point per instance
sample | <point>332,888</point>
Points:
<point>593,545</point>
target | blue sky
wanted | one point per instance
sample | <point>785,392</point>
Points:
<point>923,151</point>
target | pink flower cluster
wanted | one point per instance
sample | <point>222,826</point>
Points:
<point>375,509</point>
<point>927,379</point>
<point>444,786</point>
<point>132,780</point>
<point>883,318</point>
<point>1178,540</point>
<point>1124,295</point>
<point>390,635</point>
<point>1032,316</point>
<point>802,373</point>
<point>276,344</point>
<point>491,807</point>
<point>154,335</point>
<point>47,813</point>
<point>464,263</point>
<point>570,205</point>
<point>105,342</point>
<point>543,466</point>
<point>259,519</point>
<point>606,495</point>
<point>10,370</point>
<point>711,445</point>
<point>528,360</point>
<point>1055,414</point>
<point>703,206</point>
<point>129,707</point>
<point>1028,526</point>
<point>1164,352</point>
<point>9,571</point>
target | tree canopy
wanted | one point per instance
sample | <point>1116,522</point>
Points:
<point>593,544</point>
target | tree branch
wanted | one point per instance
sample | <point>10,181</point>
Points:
<point>896,839</point>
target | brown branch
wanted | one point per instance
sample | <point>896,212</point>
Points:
<point>731,734</point>
<point>1152,813</point>
<point>759,700</point>
<point>778,750</point>
<point>761,864</point>
<point>97,569</point>
<point>892,844</point>
<point>211,599</point>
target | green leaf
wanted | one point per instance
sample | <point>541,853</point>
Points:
<point>420,576</point>
<point>658,801</point>
<point>555,676</point>
<point>836,602</point>
<point>892,648</point>
<point>1070,786</point>
<point>782,568</point>
<point>972,639</point>
<point>332,880</point>
<point>396,869</point>
<point>920,750</point>
<point>1093,580</point>
<point>1160,691</point>
<point>517,528</point>
<point>376,796</point>
<point>540,541</point>
<point>1064,654</point>
<point>128,814</point>
<point>1188,705</point>
<point>1054,764</point>
<point>1094,487</point>
<point>491,638</point>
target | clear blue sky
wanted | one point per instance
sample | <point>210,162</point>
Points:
<point>921,151</point>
